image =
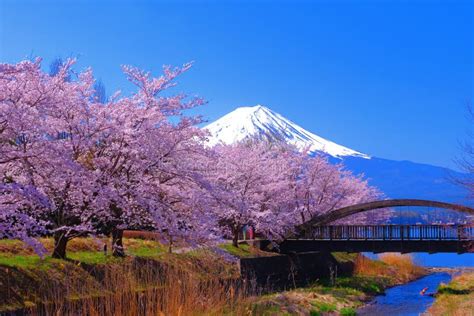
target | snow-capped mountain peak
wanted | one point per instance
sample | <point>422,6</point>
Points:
<point>259,122</point>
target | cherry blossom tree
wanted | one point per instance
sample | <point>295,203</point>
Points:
<point>249,184</point>
<point>48,128</point>
<point>96,163</point>
<point>321,187</point>
<point>146,155</point>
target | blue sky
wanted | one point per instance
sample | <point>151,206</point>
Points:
<point>389,78</point>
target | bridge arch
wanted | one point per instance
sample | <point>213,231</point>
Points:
<point>368,206</point>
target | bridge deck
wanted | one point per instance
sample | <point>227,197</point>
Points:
<point>383,238</point>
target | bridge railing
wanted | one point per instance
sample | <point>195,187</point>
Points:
<point>392,232</point>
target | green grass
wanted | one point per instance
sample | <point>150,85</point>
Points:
<point>34,261</point>
<point>339,291</point>
<point>324,307</point>
<point>21,261</point>
<point>91,257</point>
<point>366,284</point>
<point>14,253</point>
<point>243,251</point>
<point>146,252</point>
<point>348,311</point>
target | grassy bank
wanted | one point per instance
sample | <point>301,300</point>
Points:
<point>148,281</point>
<point>455,298</point>
<point>199,282</point>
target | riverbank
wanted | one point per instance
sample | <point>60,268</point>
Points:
<point>342,295</point>
<point>456,297</point>
<point>198,282</point>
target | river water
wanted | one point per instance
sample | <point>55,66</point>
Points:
<point>406,299</point>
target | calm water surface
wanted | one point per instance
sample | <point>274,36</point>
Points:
<point>406,299</point>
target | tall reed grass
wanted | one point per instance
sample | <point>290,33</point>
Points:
<point>141,287</point>
<point>399,267</point>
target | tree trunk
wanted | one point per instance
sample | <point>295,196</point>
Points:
<point>60,244</point>
<point>235,239</point>
<point>117,243</point>
<point>170,245</point>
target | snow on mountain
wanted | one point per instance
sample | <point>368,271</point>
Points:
<point>259,122</point>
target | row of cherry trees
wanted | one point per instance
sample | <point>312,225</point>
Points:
<point>72,165</point>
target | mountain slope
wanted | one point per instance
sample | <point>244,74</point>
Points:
<point>397,179</point>
<point>262,123</point>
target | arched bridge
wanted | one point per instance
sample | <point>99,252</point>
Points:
<point>320,233</point>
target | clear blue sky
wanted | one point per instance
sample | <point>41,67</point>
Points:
<point>389,78</point>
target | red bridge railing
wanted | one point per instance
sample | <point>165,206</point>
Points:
<point>392,232</point>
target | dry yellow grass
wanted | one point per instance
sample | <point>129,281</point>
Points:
<point>398,267</point>
<point>188,284</point>
<point>140,234</point>
<point>456,298</point>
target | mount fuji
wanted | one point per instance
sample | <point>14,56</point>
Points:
<point>397,179</point>
<point>259,122</point>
